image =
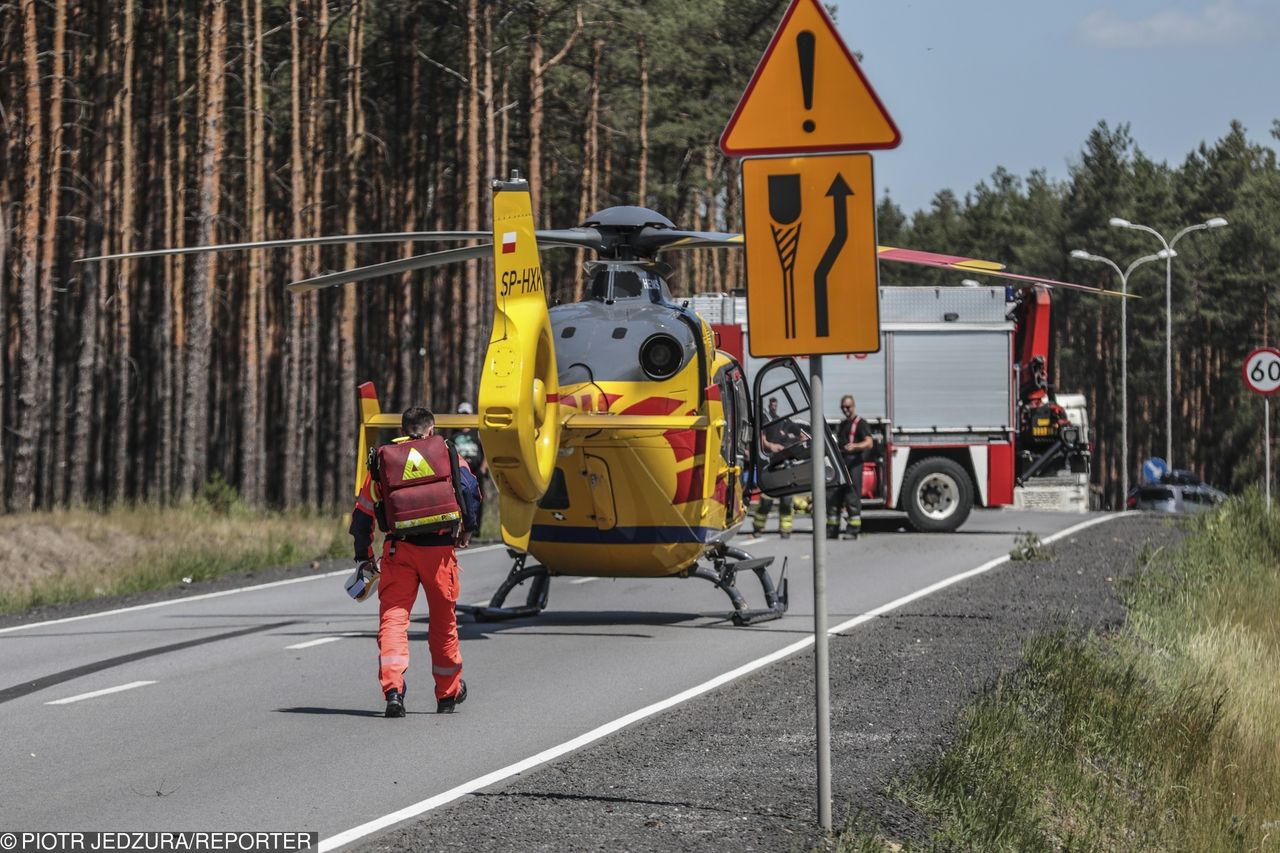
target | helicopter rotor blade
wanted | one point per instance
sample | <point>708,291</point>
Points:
<point>336,239</point>
<point>665,239</point>
<point>417,262</point>
<point>980,267</point>
<point>577,238</point>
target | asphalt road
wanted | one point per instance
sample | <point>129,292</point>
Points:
<point>260,709</point>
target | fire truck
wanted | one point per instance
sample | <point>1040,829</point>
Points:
<point>958,401</point>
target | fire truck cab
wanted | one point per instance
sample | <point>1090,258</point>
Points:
<point>957,400</point>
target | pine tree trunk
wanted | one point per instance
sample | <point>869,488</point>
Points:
<point>471,287</point>
<point>29,417</point>
<point>347,320</point>
<point>196,421</point>
<point>255,188</point>
<point>56,425</point>
<point>644,124</point>
<point>591,151</point>
<point>125,269</point>
<point>292,474</point>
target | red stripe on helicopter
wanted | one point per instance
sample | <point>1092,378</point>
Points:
<point>712,392</point>
<point>553,398</point>
<point>721,494</point>
<point>688,485</point>
<point>684,442</point>
<point>654,406</point>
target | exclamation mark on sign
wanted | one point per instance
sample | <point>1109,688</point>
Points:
<point>805,48</point>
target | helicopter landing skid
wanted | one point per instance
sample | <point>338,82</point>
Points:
<point>535,601</point>
<point>723,573</point>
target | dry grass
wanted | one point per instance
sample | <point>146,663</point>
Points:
<point>72,555</point>
<point>1165,736</point>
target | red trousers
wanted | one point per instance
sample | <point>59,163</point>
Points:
<point>435,567</point>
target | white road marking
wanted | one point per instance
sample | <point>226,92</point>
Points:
<point>309,643</point>
<point>595,734</point>
<point>97,693</point>
<point>207,595</point>
<point>583,580</point>
<point>754,541</point>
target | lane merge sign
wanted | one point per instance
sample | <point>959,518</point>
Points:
<point>1262,371</point>
<point>810,239</point>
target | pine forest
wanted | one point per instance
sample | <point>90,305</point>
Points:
<point>132,125</point>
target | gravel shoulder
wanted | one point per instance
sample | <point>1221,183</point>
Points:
<point>735,769</point>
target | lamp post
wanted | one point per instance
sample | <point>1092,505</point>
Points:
<point>1215,222</point>
<point>1082,255</point>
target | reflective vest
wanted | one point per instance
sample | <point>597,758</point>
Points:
<point>414,487</point>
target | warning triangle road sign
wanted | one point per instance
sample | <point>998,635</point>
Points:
<point>807,95</point>
<point>416,466</point>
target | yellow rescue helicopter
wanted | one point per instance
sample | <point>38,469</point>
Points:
<point>622,441</point>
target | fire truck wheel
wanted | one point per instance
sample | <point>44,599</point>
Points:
<point>938,495</point>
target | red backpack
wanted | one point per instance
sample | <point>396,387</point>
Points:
<point>416,491</point>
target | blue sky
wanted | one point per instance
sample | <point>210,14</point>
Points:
<point>976,84</point>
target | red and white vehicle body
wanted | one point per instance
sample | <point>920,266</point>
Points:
<point>957,400</point>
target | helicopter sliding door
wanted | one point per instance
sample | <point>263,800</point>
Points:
<point>782,449</point>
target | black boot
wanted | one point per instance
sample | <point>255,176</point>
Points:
<point>395,703</point>
<point>448,703</point>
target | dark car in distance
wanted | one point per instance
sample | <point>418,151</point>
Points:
<point>1176,497</point>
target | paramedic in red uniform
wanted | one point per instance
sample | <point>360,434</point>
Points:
<point>409,560</point>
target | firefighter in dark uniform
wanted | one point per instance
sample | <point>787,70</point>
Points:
<point>777,435</point>
<point>853,437</point>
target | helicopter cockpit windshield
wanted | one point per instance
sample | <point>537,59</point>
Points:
<point>614,281</point>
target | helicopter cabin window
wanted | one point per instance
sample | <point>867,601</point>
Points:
<point>610,282</point>
<point>784,432</point>
<point>729,444</point>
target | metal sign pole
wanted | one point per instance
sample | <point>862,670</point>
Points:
<point>821,660</point>
<point>1266,443</point>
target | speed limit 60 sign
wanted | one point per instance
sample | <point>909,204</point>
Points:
<point>1262,370</point>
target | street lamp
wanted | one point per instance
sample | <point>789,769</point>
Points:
<point>1082,255</point>
<point>1215,222</point>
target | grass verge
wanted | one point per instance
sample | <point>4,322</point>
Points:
<point>1164,735</point>
<point>74,555</point>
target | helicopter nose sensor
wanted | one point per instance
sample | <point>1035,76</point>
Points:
<point>661,356</point>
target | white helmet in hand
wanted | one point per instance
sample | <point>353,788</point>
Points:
<point>363,581</point>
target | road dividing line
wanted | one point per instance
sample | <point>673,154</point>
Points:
<point>607,729</point>
<point>206,595</point>
<point>583,580</point>
<point>309,643</point>
<point>98,693</point>
<point>755,541</point>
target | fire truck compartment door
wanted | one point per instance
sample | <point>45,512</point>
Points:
<point>952,379</point>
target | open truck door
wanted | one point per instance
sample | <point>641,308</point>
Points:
<point>782,452</point>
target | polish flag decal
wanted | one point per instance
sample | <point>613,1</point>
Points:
<point>508,242</point>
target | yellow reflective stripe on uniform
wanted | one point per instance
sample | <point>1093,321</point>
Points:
<point>364,503</point>
<point>373,490</point>
<point>418,522</point>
